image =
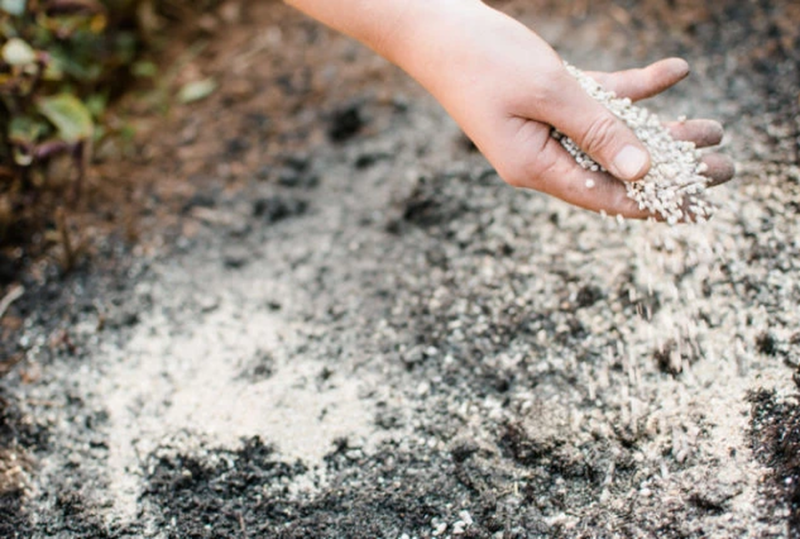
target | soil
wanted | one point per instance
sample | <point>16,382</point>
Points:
<point>339,322</point>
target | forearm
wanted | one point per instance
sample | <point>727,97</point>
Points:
<point>434,41</point>
<point>373,22</point>
<point>402,31</point>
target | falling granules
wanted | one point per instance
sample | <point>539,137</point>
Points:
<point>674,187</point>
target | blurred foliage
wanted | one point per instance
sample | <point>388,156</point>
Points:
<point>61,61</point>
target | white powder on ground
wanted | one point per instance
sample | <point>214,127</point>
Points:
<point>184,391</point>
<point>674,187</point>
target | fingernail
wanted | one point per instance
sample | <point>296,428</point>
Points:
<point>684,69</point>
<point>629,162</point>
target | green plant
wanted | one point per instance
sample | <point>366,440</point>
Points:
<point>61,61</point>
<point>57,59</point>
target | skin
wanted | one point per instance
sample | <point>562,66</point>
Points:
<point>506,87</point>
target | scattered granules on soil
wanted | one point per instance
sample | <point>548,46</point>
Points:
<point>13,471</point>
<point>674,187</point>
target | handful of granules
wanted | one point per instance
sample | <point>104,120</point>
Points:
<point>674,186</point>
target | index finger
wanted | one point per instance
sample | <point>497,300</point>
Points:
<point>641,83</point>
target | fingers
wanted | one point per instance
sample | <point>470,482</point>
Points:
<point>595,130</point>
<point>601,192</point>
<point>719,169</point>
<point>703,133</point>
<point>553,171</point>
<point>637,84</point>
<point>642,83</point>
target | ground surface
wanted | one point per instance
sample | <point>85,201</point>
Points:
<point>340,323</point>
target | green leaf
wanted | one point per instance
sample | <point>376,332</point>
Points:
<point>96,104</point>
<point>128,132</point>
<point>22,156</point>
<point>125,47</point>
<point>25,130</point>
<point>18,53</point>
<point>77,66</point>
<point>13,7</point>
<point>195,91</point>
<point>53,70</point>
<point>99,133</point>
<point>144,69</point>
<point>69,115</point>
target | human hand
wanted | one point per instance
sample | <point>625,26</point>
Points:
<point>506,87</point>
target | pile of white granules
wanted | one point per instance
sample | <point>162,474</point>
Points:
<point>674,186</point>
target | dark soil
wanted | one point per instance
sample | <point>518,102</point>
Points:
<point>775,436</point>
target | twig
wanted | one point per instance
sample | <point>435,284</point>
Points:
<point>13,295</point>
<point>66,242</point>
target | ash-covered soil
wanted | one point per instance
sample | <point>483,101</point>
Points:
<point>341,323</point>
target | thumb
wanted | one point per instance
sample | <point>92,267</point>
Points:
<point>595,129</point>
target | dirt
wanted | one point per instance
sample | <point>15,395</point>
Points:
<point>339,322</point>
<point>775,439</point>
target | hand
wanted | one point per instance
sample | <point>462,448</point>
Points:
<point>506,87</point>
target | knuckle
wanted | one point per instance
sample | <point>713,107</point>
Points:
<point>550,83</point>
<point>599,134</point>
<point>543,90</point>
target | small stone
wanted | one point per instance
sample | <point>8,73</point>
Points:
<point>345,123</point>
<point>208,303</point>
<point>277,208</point>
<point>236,257</point>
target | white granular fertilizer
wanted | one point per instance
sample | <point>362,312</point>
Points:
<point>674,187</point>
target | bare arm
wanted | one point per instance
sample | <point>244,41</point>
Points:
<point>506,87</point>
